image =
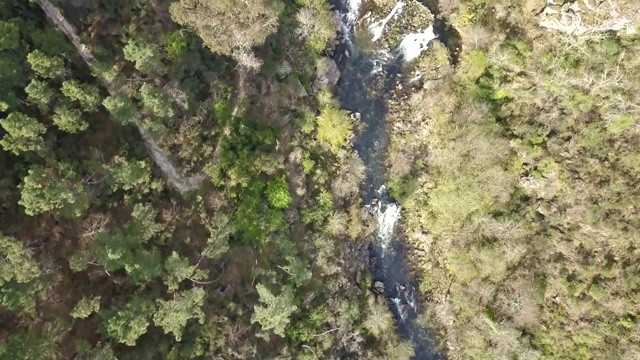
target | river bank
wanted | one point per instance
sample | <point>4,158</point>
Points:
<point>373,71</point>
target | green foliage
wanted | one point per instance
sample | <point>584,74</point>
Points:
<point>9,36</point>
<point>178,269</point>
<point>275,311</point>
<point>298,270</point>
<point>308,164</point>
<point>473,65</point>
<point>620,125</point>
<point>12,74</point>
<point>124,250</point>
<point>51,41</point>
<point>53,189</point>
<point>155,100</point>
<point>49,67</point>
<point>20,297</point>
<point>85,307</point>
<point>255,220</point>
<point>127,323</point>
<point>220,228</point>
<point>316,24</point>
<point>310,325</point>
<point>145,56</point>
<point>131,175</point>
<point>243,151</point>
<point>17,264</point>
<point>24,133</point>
<point>308,120</point>
<point>119,251</point>
<point>143,224</point>
<point>176,45</point>
<point>40,94</point>
<point>379,319</point>
<point>86,95</point>
<point>121,108</point>
<point>172,315</point>
<point>69,120</point>
<point>278,193</point>
<point>334,127</point>
<point>29,344</point>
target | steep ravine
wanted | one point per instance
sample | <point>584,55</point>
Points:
<point>367,78</point>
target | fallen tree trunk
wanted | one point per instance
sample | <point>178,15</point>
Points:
<point>162,161</point>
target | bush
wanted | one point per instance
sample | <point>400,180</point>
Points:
<point>278,193</point>
<point>334,126</point>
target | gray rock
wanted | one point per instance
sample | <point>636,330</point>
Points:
<point>378,287</point>
<point>298,89</point>
<point>327,75</point>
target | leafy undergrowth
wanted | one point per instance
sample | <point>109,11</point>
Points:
<point>521,190</point>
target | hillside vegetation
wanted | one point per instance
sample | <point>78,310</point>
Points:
<point>177,185</point>
<point>171,188</point>
<point>522,197</point>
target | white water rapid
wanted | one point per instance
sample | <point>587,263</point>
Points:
<point>414,44</point>
<point>377,28</point>
<point>387,216</point>
<point>362,92</point>
<point>351,16</point>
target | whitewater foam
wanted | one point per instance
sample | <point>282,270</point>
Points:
<point>377,28</point>
<point>387,216</point>
<point>414,44</point>
<point>350,19</point>
<point>398,304</point>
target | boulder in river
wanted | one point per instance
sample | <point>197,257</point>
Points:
<point>327,75</point>
<point>378,287</point>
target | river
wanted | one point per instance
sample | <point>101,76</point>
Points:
<point>367,76</point>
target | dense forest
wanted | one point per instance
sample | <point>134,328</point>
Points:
<point>180,181</point>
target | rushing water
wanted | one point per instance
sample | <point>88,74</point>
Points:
<point>365,80</point>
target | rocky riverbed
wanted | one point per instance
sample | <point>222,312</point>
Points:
<point>377,58</point>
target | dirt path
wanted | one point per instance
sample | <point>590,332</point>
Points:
<point>162,161</point>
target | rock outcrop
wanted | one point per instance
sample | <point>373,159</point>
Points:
<point>327,75</point>
<point>582,17</point>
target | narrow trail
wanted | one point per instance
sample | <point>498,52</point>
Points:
<point>174,176</point>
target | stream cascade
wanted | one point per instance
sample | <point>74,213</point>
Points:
<point>365,80</point>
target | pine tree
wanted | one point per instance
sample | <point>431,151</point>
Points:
<point>278,193</point>
<point>275,311</point>
<point>49,67</point>
<point>173,315</point>
<point>145,56</point>
<point>178,269</point>
<point>17,264</point>
<point>127,323</point>
<point>53,189</point>
<point>121,108</point>
<point>86,95</point>
<point>24,133</point>
<point>40,94</point>
<point>9,35</point>
<point>156,101</point>
<point>69,120</point>
<point>130,175</point>
<point>85,307</point>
